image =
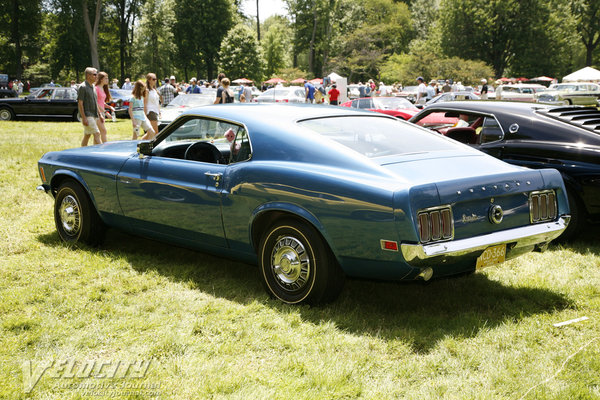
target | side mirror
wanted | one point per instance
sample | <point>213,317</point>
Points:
<point>144,148</point>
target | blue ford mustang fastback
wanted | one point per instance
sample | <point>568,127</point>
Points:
<point>311,194</point>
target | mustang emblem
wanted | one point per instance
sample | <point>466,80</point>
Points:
<point>469,218</point>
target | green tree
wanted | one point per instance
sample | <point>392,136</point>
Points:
<point>240,55</point>
<point>491,30</point>
<point>199,29</point>
<point>587,13</point>
<point>404,68</point>
<point>20,25</point>
<point>275,45</point>
<point>385,29</point>
<point>155,39</point>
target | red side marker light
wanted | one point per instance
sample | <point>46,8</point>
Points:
<point>389,245</point>
<point>43,174</point>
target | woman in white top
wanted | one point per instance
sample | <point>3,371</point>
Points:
<point>151,105</point>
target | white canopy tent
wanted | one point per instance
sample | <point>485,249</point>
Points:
<point>587,74</point>
<point>342,86</point>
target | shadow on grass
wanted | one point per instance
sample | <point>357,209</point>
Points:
<point>409,312</point>
<point>587,241</point>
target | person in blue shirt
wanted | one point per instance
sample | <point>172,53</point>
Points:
<point>193,88</point>
<point>309,89</point>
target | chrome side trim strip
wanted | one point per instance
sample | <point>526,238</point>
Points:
<point>419,254</point>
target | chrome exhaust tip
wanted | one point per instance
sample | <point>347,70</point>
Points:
<point>425,274</point>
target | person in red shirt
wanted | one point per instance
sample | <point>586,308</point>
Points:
<point>334,94</point>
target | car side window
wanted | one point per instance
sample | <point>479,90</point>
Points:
<point>60,94</point>
<point>365,103</point>
<point>491,131</point>
<point>219,134</point>
<point>240,148</point>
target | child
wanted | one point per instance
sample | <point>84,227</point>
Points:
<point>136,110</point>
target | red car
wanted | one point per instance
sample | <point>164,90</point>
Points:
<point>394,106</point>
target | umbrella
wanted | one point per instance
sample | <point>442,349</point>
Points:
<point>243,80</point>
<point>316,80</point>
<point>543,79</point>
<point>299,80</point>
<point>521,79</point>
<point>504,79</point>
<point>275,80</point>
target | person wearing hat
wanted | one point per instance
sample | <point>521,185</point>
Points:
<point>431,90</point>
<point>127,85</point>
<point>168,91</point>
<point>421,91</point>
<point>484,89</point>
<point>193,88</point>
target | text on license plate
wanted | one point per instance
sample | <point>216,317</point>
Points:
<point>491,256</point>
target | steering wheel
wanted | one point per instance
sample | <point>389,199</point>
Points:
<point>203,151</point>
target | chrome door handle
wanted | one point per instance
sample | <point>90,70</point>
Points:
<point>215,175</point>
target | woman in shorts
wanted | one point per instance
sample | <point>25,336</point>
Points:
<point>152,104</point>
<point>137,113</point>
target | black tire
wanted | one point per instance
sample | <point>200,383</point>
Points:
<point>578,218</point>
<point>6,114</point>
<point>296,264</point>
<point>76,219</point>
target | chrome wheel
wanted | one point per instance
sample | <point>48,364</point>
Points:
<point>290,263</point>
<point>76,219</point>
<point>297,265</point>
<point>70,215</point>
<point>5,114</point>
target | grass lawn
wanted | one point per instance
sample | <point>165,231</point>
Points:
<point>139,319</point>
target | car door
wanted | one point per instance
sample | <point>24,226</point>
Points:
<point>37,103</point>
<point>491,136</point>
<point>168,196</point>
<point>63,102</point>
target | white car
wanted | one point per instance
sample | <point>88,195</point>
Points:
<point>182,103</point>
<point>518,92</point>
<point>292,94</point>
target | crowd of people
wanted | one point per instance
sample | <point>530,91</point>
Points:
<point>147,97</point>
<point>93,98</point>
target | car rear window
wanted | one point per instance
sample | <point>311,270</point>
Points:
<point>376,137</point>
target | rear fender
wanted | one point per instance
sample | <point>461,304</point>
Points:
<point>260,217</point>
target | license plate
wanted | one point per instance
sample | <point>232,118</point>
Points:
<point>491,256</point>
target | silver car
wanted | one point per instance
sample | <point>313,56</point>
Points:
<point>292,94</point>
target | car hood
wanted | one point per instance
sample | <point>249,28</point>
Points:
<point>168,114</point>
<point>119,149</point>
<point>434,167</point>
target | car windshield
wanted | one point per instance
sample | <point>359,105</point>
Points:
<point>391,103</point>
<point>565,87</point>
<point>192,100</point>
<point>277,92</point>
<point>376,137</point>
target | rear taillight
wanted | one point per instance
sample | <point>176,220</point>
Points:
<point>542,206</point>
<point>435,224</point>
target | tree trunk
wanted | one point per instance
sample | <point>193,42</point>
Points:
<point>331,11</point>
<point>92,31</point>
<point>257,22</point>
<point>311,50</point>
<point>16,38</point>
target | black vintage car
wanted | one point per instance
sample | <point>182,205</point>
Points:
<point>47,103</point>
<point>566,138</point>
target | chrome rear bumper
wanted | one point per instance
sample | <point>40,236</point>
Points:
<point>527,236</point>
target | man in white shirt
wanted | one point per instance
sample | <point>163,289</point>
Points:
<point>421,91</point>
